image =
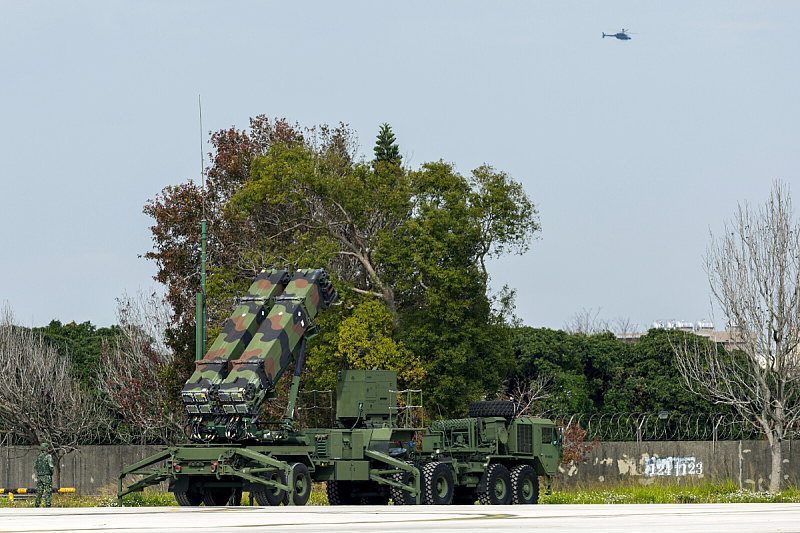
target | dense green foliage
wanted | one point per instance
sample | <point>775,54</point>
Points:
<point>650,381</point>
<point>414,242</point>
<point>82,342</point>
<point>597,373</point>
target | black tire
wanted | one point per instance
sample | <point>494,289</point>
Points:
<point>524,485</point>
<point>498,486</point>
<point>301,480</point>
<point>340,493</point>
<point>493,408</point>
<point>437,484</point>
<point>269,496</point>
<point>401,496</point>
<point>217,496</point>
<point>188,498</point>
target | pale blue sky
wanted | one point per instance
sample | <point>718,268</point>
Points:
<point>631,150</point>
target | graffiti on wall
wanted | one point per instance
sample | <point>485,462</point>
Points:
<point>672,466</point>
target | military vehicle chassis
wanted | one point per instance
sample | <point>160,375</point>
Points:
<point>369,456</point>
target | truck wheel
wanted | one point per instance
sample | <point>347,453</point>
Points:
<point>437,484</point>
<point>188,498</point>
<point>340,493</point>
<point>302,484</point>
<point>268,495</point>
<point>217,496</point>
<point>401,496</point>
<point>493,408</point>
<point>498,486</point>
<point>524,485</point>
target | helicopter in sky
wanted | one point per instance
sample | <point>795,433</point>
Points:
<point>622,36</point>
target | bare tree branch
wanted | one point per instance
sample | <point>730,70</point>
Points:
<point>754,273</point>
<point>132,372</point>
<point>586,322</point>
<point>40,399</point>
<point>524,393</point>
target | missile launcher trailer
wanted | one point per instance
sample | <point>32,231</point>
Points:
<point>369,456</point>
<point>359,458</point>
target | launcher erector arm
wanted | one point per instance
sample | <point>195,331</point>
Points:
<point>265,335</point>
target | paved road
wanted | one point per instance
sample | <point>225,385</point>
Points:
<point>726,518</point>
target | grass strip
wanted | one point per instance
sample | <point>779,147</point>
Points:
<point>635,494</point>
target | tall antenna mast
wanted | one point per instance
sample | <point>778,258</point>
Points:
<point>201,330</point>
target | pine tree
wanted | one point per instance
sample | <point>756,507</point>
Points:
<point>386,148</point>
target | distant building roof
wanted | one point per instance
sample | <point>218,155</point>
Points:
<point>728,338</point>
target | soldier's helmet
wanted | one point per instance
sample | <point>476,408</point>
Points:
<point>44,446</point>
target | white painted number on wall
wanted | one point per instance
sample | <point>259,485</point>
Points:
<point>672,466</point>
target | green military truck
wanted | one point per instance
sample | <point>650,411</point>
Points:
<point>492,456</point>
<point>370,455</point>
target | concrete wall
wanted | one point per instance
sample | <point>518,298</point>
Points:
<point>94,469</point>
<point>89,470</point>
<point>746,463</point>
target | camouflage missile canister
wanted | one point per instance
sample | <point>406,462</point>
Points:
<point>274,345</point>
<point>198,393</point>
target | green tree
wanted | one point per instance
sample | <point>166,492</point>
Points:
<point>81,342</point>
<point>415,242</point>
<point>386,149</point>
<point>506,217</point>
<point>598,373</point>
<point>365,341</point>
<point>649,380</point>
<point>313,208</point>
<point>434,262</point>
<point>581,366</point>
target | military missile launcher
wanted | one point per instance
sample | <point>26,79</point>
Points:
<point>200,390</point>
<point>371,454</point>
<point>276,344</point>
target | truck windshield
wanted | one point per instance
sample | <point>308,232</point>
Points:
<point>551,435</point>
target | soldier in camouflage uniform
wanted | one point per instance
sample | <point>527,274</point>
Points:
<point>44,475</point>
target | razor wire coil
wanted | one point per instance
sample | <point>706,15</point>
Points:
<point>663,426</point>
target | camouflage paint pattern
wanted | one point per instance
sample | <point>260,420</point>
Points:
<point>198,393</point>
<point>44,488</point>
<point>275,343</point>
<point>44,477</point>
